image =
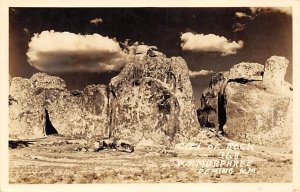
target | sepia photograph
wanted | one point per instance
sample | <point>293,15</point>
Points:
<point>150,95</point>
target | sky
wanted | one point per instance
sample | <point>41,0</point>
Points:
<point>91,45</point>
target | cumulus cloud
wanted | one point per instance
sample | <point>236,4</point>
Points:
<point>58,52</point>
<point>200,73</point>
<point>96,21</point>
<point>242,15</point>
<point>209,43</point>
<point>257,10</point>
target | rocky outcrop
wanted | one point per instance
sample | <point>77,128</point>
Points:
<point>42,105</point>
<point>152,99</point>
<point>246,106</point>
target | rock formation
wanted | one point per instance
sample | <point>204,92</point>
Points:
<point>211,111</point>
<point>152,98</point>
<point>275,69</point>
<point>151,101</point>
<point>245,104</point>
<point>42,105</point>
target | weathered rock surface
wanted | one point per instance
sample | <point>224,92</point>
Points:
<point>26,110</point>
<point>76,113</point>
<point>43,102</point>
<point>44,81</point>
<point>257,116</point>
<point>246,71</point>
<point>275,69</point>
<point>152,98</point>
<point>245,104</point>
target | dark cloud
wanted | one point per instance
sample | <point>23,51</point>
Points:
<point>245,18</point>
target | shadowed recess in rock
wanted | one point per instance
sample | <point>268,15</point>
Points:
<point>221,112</point>
<point>49,128</point>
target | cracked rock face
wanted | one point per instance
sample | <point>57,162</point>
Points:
<point>247,106</point>
<point>152,98</point>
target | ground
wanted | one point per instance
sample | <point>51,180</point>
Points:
<point>55,160</point>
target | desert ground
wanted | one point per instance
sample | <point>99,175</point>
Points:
<point>57,159</point>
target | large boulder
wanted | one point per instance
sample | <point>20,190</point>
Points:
<point>255,115</point>
<point>246,105</point>
<point>212,112</point>
<point>26,110</point>
<point>42,105</point>
<point>45,81</point>
<point>152,98</point>
<point>246,71</point>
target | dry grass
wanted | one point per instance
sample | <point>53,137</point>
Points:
<point>53,161</point>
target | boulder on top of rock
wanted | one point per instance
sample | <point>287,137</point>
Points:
<point>246,71</point>
<point>45,81</point>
